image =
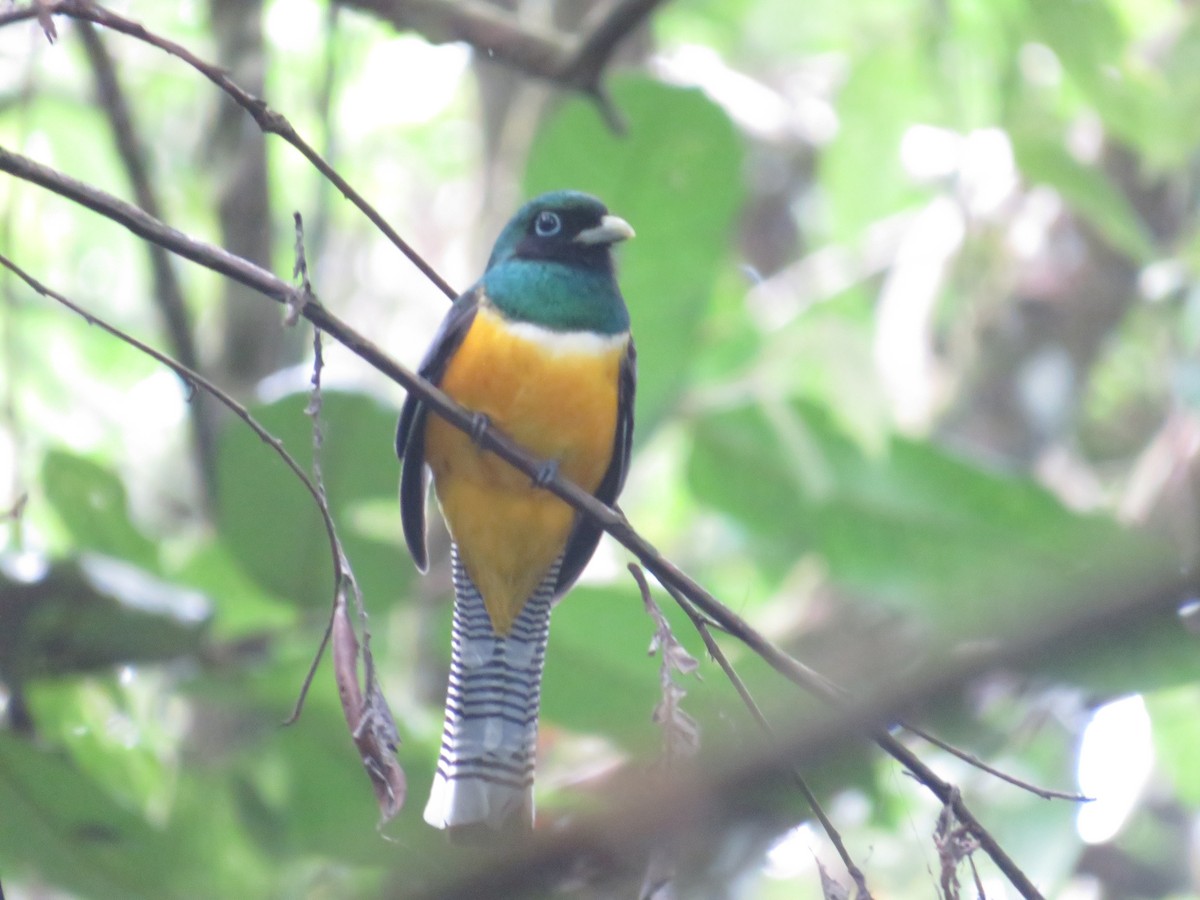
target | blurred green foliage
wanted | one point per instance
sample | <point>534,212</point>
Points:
<point>149,650</point>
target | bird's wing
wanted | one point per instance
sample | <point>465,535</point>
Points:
<point>586,534</point>
<point>410,432</point>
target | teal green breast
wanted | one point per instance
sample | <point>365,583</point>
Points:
<point>558,296</point>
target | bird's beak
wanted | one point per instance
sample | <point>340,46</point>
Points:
<point>610,230</point>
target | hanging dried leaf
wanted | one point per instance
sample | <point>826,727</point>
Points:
<point>831,888</point>
<point>370,719</point>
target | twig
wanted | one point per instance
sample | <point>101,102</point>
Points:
<point>266,118</point>
<point>971,759</point>
<point>953,843</point>
<point>574,63</point>
<point>598,45</point>
<point>191,378</point>
<point>718,655</point>
<point>45,21</point>
<point>681,733</point>
<point>372,726</point>
<point>167,293</point>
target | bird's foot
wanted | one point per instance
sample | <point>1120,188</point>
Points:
<point>546,473</point>
<point>480,423</point>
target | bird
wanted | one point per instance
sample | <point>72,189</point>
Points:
<point>539,348</point>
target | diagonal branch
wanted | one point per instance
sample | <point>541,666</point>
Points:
<point>651,811</point>
<point>718,655</point>
<point>611,520</point>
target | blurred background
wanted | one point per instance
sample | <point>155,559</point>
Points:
<point>915,302</point>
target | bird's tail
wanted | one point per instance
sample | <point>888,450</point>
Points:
<point>485,769</point>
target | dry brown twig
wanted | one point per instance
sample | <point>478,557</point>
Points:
<point>372,726</point>
<point>681,733</point>
<point>718,656</point>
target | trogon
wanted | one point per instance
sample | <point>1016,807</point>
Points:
<point>539,348</point>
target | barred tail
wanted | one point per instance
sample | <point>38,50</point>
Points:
<point>485,770</point>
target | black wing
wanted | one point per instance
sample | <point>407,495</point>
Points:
<point>410,432</point>
<point>586,534</point>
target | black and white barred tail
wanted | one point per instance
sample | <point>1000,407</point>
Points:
<point>485,769</point>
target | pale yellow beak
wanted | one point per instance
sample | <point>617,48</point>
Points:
<point>610,230</point>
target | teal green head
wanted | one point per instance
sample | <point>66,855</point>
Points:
<point>552,265</point>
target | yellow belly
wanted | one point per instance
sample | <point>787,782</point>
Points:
<point>559,402</point>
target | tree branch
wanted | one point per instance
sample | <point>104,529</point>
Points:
<point>653,811</point>
<point>718,656</point>
<point>573,63</point>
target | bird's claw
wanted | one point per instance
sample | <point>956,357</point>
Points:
<point>480,423</point>
<point>546,473</point>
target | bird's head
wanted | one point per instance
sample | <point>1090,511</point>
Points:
<point>563,226</point>
<point>552,264</point>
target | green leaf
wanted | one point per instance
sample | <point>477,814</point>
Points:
<point>241,606</point>
<point>965,550</point>
<point>59,825</point>
<point>860,170</point>
<point>1175,717</point>
<point>91,614</point>
<point>1086,190</point>
<point>270,523</point>
<point>676,176</point>
<point>92,503</point>
<point>1090,42</point>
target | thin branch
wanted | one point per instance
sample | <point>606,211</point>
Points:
<point>975,761</point>
<point>46,23</point>
<point>190,377</point>
<point>681,733</point>
<point>574,63</point>
<point>949,795</point>
<point>266,118</point>
<point>596,47</point>
<point>372,726</point>
<point>369,726</point>
<point>490,29</point>
<point>718,655</point>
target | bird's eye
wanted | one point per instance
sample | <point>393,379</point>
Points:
<point>547,224</point>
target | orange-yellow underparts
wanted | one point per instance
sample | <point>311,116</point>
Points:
<point>558,402</point>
